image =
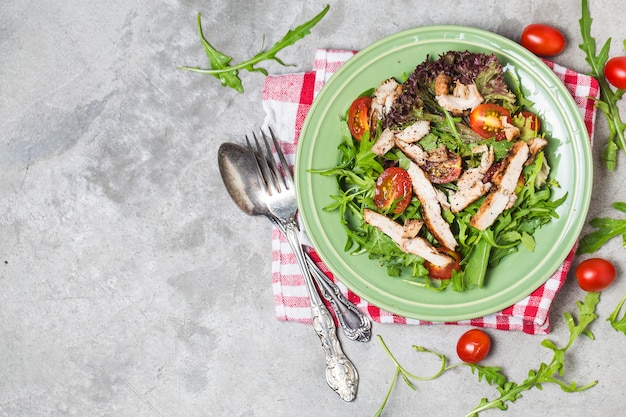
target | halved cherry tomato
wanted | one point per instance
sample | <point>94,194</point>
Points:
<point>473,346</point>
<point>358,117</point>
<point>595,274</point>
<point>543,40</point>
<point>615,71</point>
<point>445,171</point>
<point>491,171</point>
<point>444,272</point>
<point>535,123</point>
<point>486,120</point>
<point>394,189</point>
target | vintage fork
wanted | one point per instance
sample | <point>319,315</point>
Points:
<point>280,197</point>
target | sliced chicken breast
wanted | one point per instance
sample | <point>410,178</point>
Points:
<point>431,209</point>
<point>414,245</point>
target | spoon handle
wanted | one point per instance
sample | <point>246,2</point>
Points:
<point>355,325</point>
<point>341,375</point>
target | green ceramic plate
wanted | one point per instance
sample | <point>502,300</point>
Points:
<point>517,275</point>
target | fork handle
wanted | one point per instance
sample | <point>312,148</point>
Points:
<point>356,325</point>
<point>341,375</point>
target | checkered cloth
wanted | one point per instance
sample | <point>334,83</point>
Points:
<point>286,101</point>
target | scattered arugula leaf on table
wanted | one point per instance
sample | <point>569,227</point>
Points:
<point>618,324</point>
<point>608,97</point>
<point>229,74</point>
<point>509,391</point>
<point>607,228</point>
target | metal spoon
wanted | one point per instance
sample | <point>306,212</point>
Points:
<point>241,182</point>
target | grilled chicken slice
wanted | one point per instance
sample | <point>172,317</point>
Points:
<point>384,143</point>
<point>463,99</point>
<point>399,233</point>
<point>535,146</point>
<point>431,209</point>
<point>470,186</point>
<point>384,96</point>
<point>502,193</point>
<point>413,133</point>
<point>510,132</point>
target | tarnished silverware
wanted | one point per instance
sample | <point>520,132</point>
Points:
<point>239,173</point>
<point>280,198</point>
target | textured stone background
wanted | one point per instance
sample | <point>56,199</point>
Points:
<point>130,285</point>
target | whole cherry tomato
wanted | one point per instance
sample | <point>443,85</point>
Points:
<point>543,40</point>
<point>615,71</point>
<point>394,189</point>
<point>358,117</point>
<point>473,346</point>
<point>595,274</point>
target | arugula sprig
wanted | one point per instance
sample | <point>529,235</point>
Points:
<point>617,323</point>
<point>608,97</point>
<point>228,74</point>
<point>509,391</point>
<point>607,228</point>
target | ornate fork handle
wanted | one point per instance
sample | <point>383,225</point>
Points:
<point>356,325</point>
<point>341,375</point>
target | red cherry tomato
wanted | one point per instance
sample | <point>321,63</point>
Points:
<point>358,117</point>
<point>444,272</point>
<point>543,40</point>
<point>535,123</point>
<point>615,71</point>
<point>486,120</point>
<point>394,189</point>
<point>473,346</point>
<point>595,274</point>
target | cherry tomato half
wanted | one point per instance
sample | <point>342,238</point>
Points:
<point>535,123</point>
<point>543,40</point>
<point>444,272</point>
<point>473,346</point>
<point>595,274</point>
<point>358,117</point>
<point>394,189</point>
<point>486,120</point>
<point>615,71</point>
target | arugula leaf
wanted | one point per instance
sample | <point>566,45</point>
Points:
<point>608,228</point>
<point>552,371</point>
<point>618,324</point>
<point>608,98</point>
<point>509,391</point>
<point>228,74</point>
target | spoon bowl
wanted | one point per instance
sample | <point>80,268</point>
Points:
<point>238,172</point>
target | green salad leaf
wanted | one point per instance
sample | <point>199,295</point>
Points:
<point>607,228</point>
<point>608,97</point>
<point>551,372</point>
<point>359,168</point>
<point>228,74</point>
<point>617,323</point>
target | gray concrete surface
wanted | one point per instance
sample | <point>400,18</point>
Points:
<point>131,286</point>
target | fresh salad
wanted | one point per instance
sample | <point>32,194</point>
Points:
<point>443,174</point>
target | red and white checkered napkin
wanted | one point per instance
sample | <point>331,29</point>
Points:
<point>286,101</point>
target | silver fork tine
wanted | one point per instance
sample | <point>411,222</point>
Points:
<point>268,171</point>
<point>280,178</point>
<point>259,171</point>
<point>283,161</point>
